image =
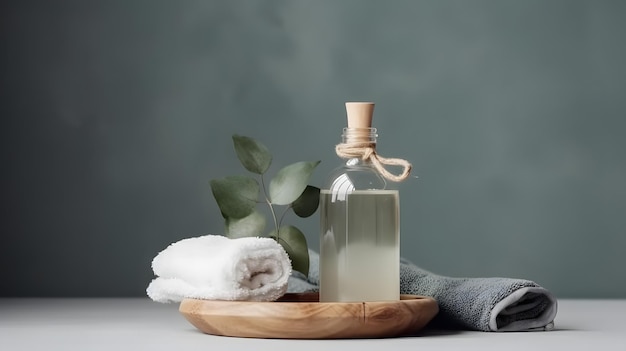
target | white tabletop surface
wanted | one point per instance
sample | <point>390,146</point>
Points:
<point>141,324</point>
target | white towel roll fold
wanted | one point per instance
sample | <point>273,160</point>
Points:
<point>214,267</point>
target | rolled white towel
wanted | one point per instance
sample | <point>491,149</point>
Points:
<point>214,267</point>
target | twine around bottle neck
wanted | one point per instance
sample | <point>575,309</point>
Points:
<point>366,151</point>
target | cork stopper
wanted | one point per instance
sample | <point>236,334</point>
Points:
<point>359,121</point>
<point>360,114</point>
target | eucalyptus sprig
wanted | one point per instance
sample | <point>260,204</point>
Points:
<point>238,196</point>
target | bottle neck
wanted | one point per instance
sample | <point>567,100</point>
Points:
<point>359,137</point>
<point>361,143</point>
<point>358,172</point>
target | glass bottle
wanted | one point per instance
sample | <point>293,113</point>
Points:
<point>359,218</point>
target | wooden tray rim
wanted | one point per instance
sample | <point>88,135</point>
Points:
<point>355,319</point>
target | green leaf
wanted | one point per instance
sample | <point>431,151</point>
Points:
<point>236,196</point>
<point>294,243</point>
<point>289,183</point>
<point>251,225</point>
<point>254,156</point>
<point>307,203</point>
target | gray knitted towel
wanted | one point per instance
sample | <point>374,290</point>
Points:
<point>485,304</point>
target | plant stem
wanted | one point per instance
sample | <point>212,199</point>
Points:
<point>282,216</point>
<point>269,203</point>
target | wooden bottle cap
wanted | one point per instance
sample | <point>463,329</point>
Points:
<point>360,114</point>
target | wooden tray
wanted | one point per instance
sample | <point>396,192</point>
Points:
<point>302,316</point>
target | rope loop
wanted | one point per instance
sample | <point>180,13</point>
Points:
<point>367,151</point>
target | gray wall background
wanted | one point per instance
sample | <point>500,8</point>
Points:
<point>116,114</point>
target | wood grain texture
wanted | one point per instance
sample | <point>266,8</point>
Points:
<point>302,316</point>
